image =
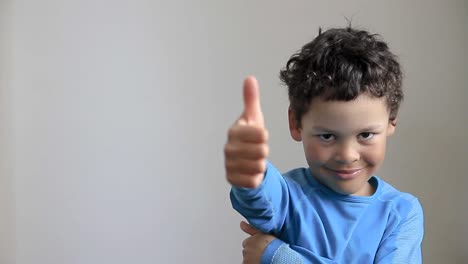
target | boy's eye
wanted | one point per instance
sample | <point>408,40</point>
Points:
<point>327,137</point>
<point>366,135</point>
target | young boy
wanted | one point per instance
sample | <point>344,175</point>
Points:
<point>344,91</point>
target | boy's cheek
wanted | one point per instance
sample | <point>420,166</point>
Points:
<point>376,155</point>
<point>316,153</point>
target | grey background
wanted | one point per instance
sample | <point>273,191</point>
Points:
<point>113,117</point>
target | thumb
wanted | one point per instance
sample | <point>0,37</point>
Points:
<point>252,110</point>
<point>248,229</point>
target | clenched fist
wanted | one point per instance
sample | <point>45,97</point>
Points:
<point>246,149</point>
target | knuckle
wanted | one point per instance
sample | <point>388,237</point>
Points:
<point>264,151</point>
<point>231,133</point>
<point>233,179</point>
<point>229,178</point>
<point>228,164</point>
<point>251,186</point>
<point>260,166</point>
<point>228,150</point>
<point>260,134</point>
<point>257,182</point>
<point>263,165</point>
<point>254,182</point>
<point>265,135</point>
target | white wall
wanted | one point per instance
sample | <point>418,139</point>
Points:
<point>119,111</point>
<point>7,203</point>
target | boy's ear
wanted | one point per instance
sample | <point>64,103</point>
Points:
<point>294,129</point>
<point>391,126</point>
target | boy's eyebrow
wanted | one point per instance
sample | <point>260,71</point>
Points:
<point>320,128</point>
<point>367,128</point>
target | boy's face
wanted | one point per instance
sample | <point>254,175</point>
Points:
<point>344,142</point>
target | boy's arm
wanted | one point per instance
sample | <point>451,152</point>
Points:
<point>259,190</point>
<point>267,249</point>
<point>404,244</point>
<point>278,252</point>
<point>266,206</point>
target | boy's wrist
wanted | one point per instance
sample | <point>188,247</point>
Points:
<point>259,187</point>
<point>270,251</point>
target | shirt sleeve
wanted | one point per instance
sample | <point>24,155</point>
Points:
<point>266,206</point>
<point>404,244</point>
<point>278,252</point>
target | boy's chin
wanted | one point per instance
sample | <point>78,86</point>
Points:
<point>364,189</point>
<point>356,187</point>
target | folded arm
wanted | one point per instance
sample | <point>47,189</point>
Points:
<point>403,245</point>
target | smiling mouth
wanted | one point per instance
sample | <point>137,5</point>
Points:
<point>346,174</point>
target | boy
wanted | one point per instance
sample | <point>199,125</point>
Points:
<point>344,90</point>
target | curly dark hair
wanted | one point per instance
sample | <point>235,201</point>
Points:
<point>340,64</point>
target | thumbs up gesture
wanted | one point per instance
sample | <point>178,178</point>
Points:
<point>246,149</point>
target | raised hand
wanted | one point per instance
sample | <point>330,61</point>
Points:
<point>246,149</point>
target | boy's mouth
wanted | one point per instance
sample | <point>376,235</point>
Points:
<point>345,174</point>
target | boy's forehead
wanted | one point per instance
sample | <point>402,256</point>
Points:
<point>362,111</point>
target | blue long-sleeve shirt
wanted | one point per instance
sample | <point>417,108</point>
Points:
<point>314,224</point>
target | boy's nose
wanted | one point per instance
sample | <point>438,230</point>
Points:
<point>346,154</point>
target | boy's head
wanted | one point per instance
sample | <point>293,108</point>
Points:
<point>339,65</point>
<point>344,91</point>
